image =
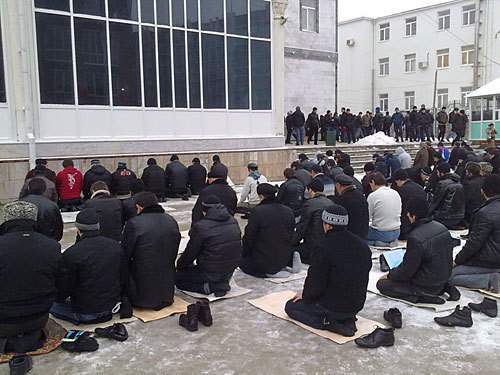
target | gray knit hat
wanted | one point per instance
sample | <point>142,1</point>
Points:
<point>20,210</point>
<point>87,220</point>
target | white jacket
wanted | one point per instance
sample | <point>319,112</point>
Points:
<point>384,208</point>
<point>250,189</point>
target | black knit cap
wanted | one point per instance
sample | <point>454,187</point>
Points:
<point>145,199</point>
<point>426,170</point>
<point>369,167</point>
<point>209,201</point>
<point>316,185</point>
<point>266,190</point>
<point>343,179</point>
<point>87,220</point>
<point>40,169</point>
<point>215,174</point>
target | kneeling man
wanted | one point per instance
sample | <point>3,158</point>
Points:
<point>337,280</point>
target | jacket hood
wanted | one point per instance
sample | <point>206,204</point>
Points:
<point>217,213</point>
<point>156,209</point>
<point>99,193</point>
<point>98,169</point>
<point>400,150</point>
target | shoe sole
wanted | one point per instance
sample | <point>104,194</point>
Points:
<point>375,346</point>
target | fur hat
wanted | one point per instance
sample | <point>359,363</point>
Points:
<point>486,167</point>
<point>20,210</point>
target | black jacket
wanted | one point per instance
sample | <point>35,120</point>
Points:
<point>95,173</point>
<point>110,211</point>
<point>128,208</point>
<point>312,121</point>
<point>365,182</point>
<point>30,265</point>
<point>433,178</point>
<point>483,246</point>
<point>453,160</point>
<point>49,218</point>
<point>214,242</point>
<point>176,176</point>
<point>495,163</point>
<point>357,208</point>
<point>291,194</point>
<point>381,166</point>
<point>307,164</point>
<point>154,179</point>
<point>221,190</point>
<point>220,169</point>
<point>338,276</point>
<point>449,198</point>
<point>409,190</point>
<point>344,160</point>
<point>121,180</point>
<point>473,197</point>
<point>197,178</point>
<point>268,235</point>
<point>310,226</point>
<point>298,119</point>
<point>95,274</point>
<point>151,242</point>
<point>428,259</point>
<point>415,176</point>
<point>303,176</point>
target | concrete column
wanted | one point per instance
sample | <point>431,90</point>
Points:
<point>279,20</point>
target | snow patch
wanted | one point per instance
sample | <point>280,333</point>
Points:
<point>378,139</point>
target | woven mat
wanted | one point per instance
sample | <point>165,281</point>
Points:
<point>53,341</point>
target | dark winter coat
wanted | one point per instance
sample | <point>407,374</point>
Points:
<point>431,152</point>
<point>344,160</point>
<point>387,121</point>
<point>291,194</point>
<point>495,163</point>
<point>153,177</point>
<point>176,177</point>
<point>268,235</point>
<point>303,176</point>
<point>298,119</point>
<point>312,121</point>
<point>151,242</point>
<point>407,192</point>
<point>473,197</point>
<point>110,211</point>
<point>49,218</point>
<point>220,169</point>
<point>393,164</point>
<point>307,165</point>
<point>449,198</point>
<point>310,226</point>
<point>433,178</point>
<point>50,188</point>
<point>365,182</point>
<point>428,259</point>
<point>30,265</point>
<point>483,246</point>
<point>197,178</point>
<point>129,209</point>
<point>338,276</point>
<point>453,160</point>
<point>357,185</point>
<point>459,125</point>
<point>413,119</point>
<point>221,190</point>
<point>332,172</point>
<point>357,208</point>
<point>378,121</point>
<point>421,159</point>
<point>95,173</point>
<point>214,242</point>
<point>121,180</point>
<point>415,176</point>
<point>381,166</point>
<point>95,273</point>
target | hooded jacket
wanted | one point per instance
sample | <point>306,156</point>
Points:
<point>221,190</point>
<point>473,197</point>
<point>449,198</point>
<point>403,157</point>
<point>95,173</point>
<point>197,178</point>
<point>176,177</point>
<point>69,183</point>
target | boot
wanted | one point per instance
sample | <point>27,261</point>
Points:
<point>453,292</point>
<point>350,323</point>
<point>458,318</point>
<point>219,289</point>
<point>488,307</point>
<point>337,327</point>
<point>204,314</point>
<point>20,364</point>
<point>379,337</point>
<point>394,317</point>
<point>190,321</point>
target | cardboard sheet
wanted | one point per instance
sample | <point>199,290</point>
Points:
<point>294,276</point>
<point>235,291</point>
<point>274,304</point>
<point>91,327</point>
<point>146,315</point>
<point>482,291</point>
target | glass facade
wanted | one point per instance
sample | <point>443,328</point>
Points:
<point>3,94</point>
<point>212,54</point>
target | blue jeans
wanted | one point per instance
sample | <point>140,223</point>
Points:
<point>195,279</point>
<point>386,236</point>
<point>299,133</point>
<point>64,311</point>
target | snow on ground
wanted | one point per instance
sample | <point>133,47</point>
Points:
<point>378,139</point>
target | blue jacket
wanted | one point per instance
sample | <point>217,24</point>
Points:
<point>445,153</point>
<point>398,118</point>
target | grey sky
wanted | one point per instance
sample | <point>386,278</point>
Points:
<point>349,9</point>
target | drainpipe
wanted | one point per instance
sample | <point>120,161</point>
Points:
<point>477,30</point>
<point>27,105</point>
<point>337,53</point>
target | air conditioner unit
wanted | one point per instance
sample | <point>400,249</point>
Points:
<point>423,65</point>
<point>350,42</point>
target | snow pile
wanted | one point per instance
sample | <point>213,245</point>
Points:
<point>378,139</point>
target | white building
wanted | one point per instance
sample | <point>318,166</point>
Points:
<point>393,61</point>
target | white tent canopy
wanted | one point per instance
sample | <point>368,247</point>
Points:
<point>491,88</point>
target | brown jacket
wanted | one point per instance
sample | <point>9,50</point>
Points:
<point>49,173</point>
<point>422,159</point>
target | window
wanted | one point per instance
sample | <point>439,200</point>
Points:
<point>165,67</point>
<point>149,66</point>
<point>177,13</point>
<point>463,95</point>
<point>442,98</point>
<point>309,15</point>
<point>469,15</point>
<point>122,9</point>
<point>237,73</point>
<point>468,55</point>
<point>259,19</point>
<point>194,70</point>
<point>261,75</point>
<point>384,31</point>
<point>443,58</point>
<point>237,17</point>
<point>214,83</point>
<point>384,102</point>
<point>3,94</point>
<point>410,63</point>
<point>411,26</point>
<point>147,11</point>
<point>91,7</point>
<point>192,14</point>
<point>180,68</point>
<point>212,15</point>
<point>444,20</point>
<point>409,100</point>
<point>383,65</point>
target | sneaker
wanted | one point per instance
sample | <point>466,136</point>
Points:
<point>379,337</point>
<point>296,262</point>
<point>394,317</point>
<point>453,292</point>
<point>84,343</point>
<point>458,318</point>
<point>190,320</point>
<point>337,327</point>
<point>20,364</point>
<point>488,307</point>
<point>116,332</point>
<point>204,314</point>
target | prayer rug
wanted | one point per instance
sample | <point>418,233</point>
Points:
<point>147,315</point>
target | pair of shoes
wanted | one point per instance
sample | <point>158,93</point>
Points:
<point>379,337</point>
<point>461,317</point>
<point>453,292</point>
<point>116,332</point>
<point>20,364</point>
<point>196,312</point>
<point>335,326</point>
<point>488,307</point>
<point>84,343</point>
<point>394,317</point>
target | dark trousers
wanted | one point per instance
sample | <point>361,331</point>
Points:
<point>288,133</point>
<point>351,135</point>
<point>367,130</point>
<point>178,192</point>
<point>424,132</point>
<point>449,223</point>
<point>387,130</point>
<point>313,314</point>
<point>398,132</point>
<point>312,133</point>
<point>405,290</point>
<point>70,202</point>
<point>22,337</point>
<point>442,131</point>
<point>195,279</point>
<point>251,267</point>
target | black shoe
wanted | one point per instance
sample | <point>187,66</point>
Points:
<point>185,198</point>
<point>379,337</point>
<point>190,320</point>
<point>204,315</point>
<point>431,299</point>
<point>337,327</point>
<point>350,323</point>
<point>245,217</point>
<point>20,364</point>
<point>488,307</point>
<point>458,318</point>
<point>394,317</point>
<point>453,292</point>
<point>219,289</point>
<point>116,332</point>
<point>126,309</point>
<point>84,343</point>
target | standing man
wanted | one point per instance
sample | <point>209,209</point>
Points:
<point>414,127</point>
<point>460,125</point>
<point>312,125</point>
<point>122,178</point>
<point>378,120</point>
<point>289,127</point>
<point>442,119</point>
<point>422,157</point>
<point>453,120</point>
<point>154,179</point>
<point>397,120</point>
<point>197,177</point>
<point>387,124</point>
<point>69,187</point>
<point>176,179</point>
<point>96,173</point>
<point>367,124</point>
<point>298,121</point>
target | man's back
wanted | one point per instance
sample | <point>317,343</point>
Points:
<point>122,178</point>
<point>197,176</point>
<point>357,208</point>
<point>49,217</point>
<point>176,175</point>
<point>384,207</point>
<point>291,194</point>
<point>50,188</point>
<point>449,198</point>
<point>154,179</point>
<point>303,176</point>
<point>110,211</point>
<point>69,183</point>
<point>221,190</point>
<point>94,174</point>
<point>219,169</point>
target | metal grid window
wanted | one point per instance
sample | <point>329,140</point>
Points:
<point>385,30</point>
<point>411,26</point>
<point>410,63</point>
<point>442,98</point>
<point>155,53</point>
<point>468,55</point>
<point>469,15</point>
<point>444,20</point>
<point>443,58</point>
<point>309,15</point>
<point>384,102</point>
<point>409,100</point>
<point>383,65</point>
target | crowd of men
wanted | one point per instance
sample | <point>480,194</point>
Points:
<point>414,126</point>
<point>126,250</point>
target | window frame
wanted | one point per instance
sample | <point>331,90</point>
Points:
<point>409,100</point>
<point>383,102</point>
<point>467,52</point>
<point>308,9</point>
<point>443,57</point>
<point>441,94</point>
<point>463,94</point>
<point>384,32</point>
<point>444,16</point>
<point>410,58</point>
<point>469,11</point>
<point>383,67</point>
<point>411,26</point>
